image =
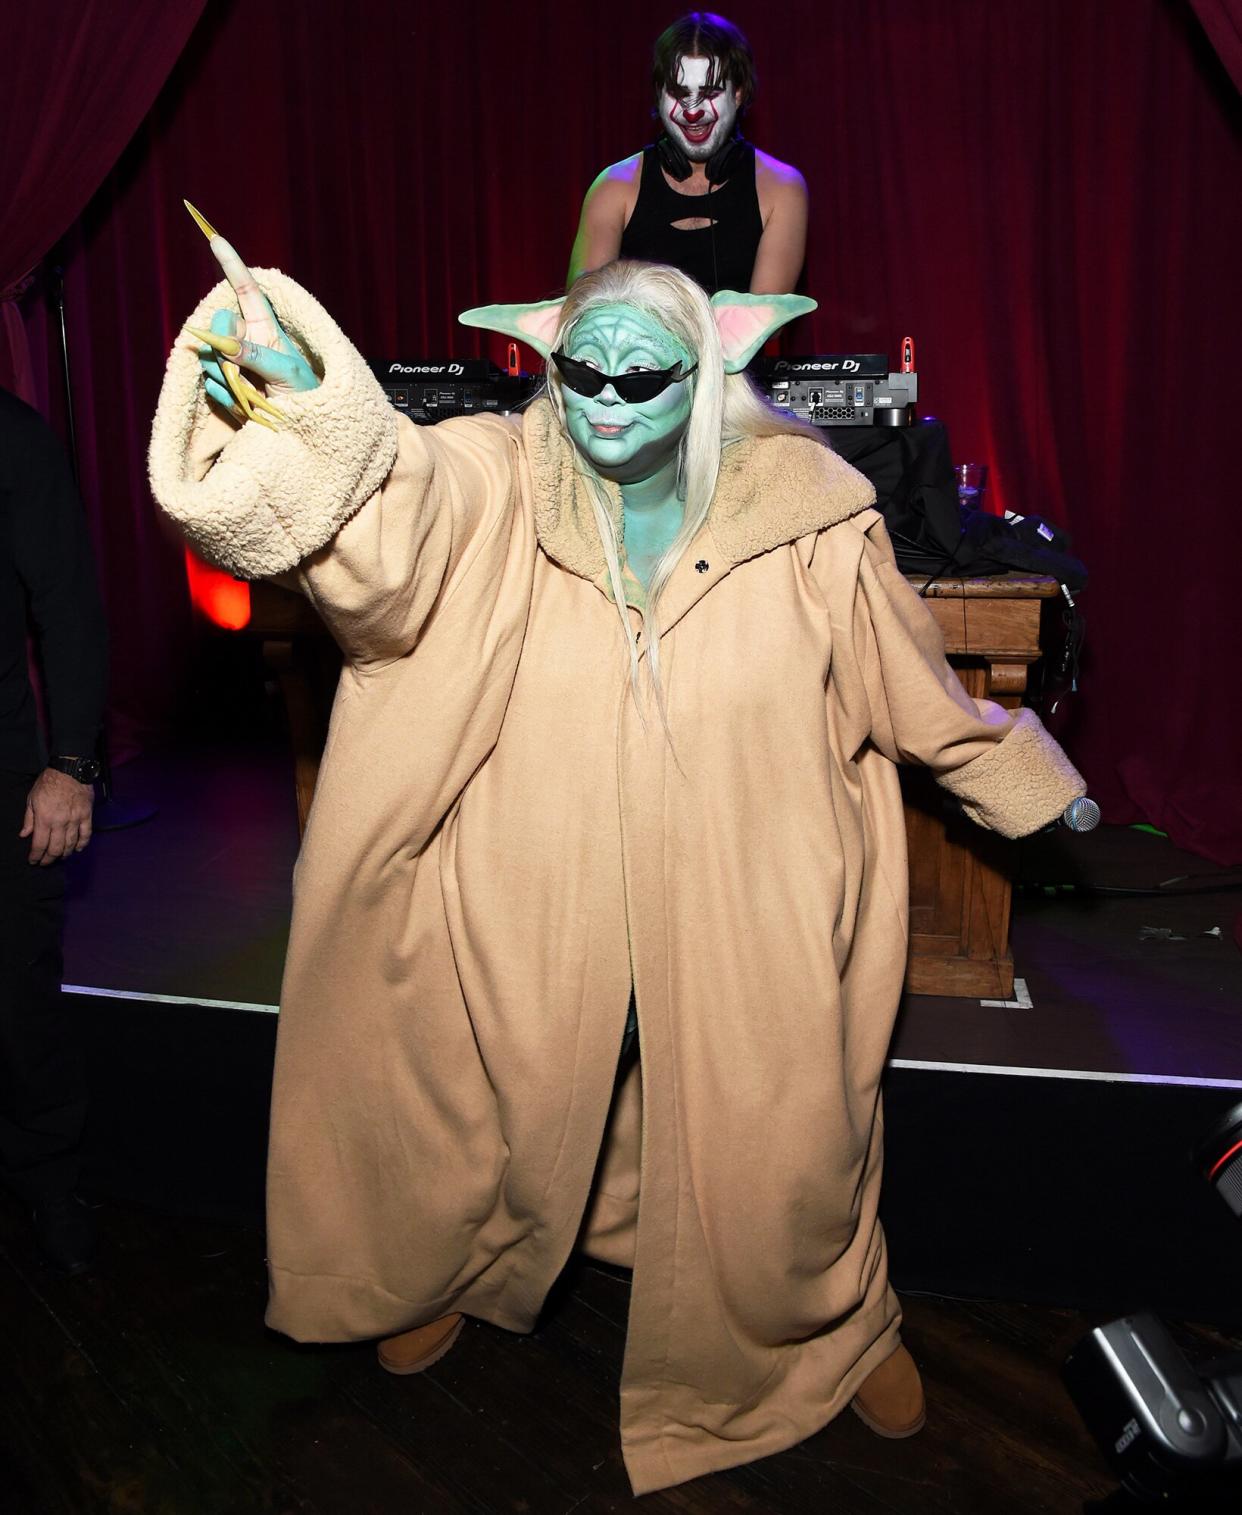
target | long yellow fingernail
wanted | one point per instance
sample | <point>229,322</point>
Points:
<point>245,394</point>
<point>229,346</point>
<point>204,225</point>
<point>261,402</point>
<point>237,385</point>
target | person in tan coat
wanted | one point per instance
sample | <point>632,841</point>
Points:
<point>523,817</point>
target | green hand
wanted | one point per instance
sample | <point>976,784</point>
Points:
<point>260,345</point>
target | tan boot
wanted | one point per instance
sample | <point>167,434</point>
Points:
<point>890,1401</point>
<point>412,1351</point>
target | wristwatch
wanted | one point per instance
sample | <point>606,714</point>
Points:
<point>85,769</point>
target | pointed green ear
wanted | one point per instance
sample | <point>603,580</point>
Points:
<point>535,324</point>
<point>745,322</point>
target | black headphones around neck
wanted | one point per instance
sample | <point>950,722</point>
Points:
<point>723,162</point>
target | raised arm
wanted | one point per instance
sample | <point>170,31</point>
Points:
<point>782,247</point>
<point>602,223</point>
<point>316,475</point>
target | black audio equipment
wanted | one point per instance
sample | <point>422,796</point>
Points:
<point>1172,1430</point>
<point>836,366</point>
<point>834,389</point>
<point>1171,1427</point>
<point>1220,1158</point>
<point>429,390</point>
<point>724,161</point>
<point>841,389</point>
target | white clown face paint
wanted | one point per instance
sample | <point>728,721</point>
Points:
<point>698,116</point>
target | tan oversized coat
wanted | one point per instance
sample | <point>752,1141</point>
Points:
<point>499,846</point>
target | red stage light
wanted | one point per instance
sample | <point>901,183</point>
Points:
<point>224,600</point>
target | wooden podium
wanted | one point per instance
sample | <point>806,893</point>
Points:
<point>959,884</point>
<point>959,879</point>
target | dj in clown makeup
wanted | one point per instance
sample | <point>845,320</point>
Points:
<point>699,111</point>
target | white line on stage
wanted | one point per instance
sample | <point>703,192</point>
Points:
<point>169,999</point>
<point>917,1064</point>
<point>1081,1073</point>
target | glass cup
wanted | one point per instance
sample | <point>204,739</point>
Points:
<point>972,480</point>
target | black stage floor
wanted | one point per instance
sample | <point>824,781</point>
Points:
<point>151,1388</point>
<point>192,905</point>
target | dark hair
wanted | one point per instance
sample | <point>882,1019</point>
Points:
<point>702,34</point>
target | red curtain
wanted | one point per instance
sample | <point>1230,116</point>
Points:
<point>1222,21</point>
<point>77,81</point>
<point>1045,196</point>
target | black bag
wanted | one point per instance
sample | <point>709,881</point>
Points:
<point>915,488</point>
<point>1025,544</point>
<point>916,492</point>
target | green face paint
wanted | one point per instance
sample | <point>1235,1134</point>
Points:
<point>626,443</point>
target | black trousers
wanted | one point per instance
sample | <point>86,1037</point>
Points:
<point>42,1090</point>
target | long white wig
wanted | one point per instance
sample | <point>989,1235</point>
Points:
<point>725,408</point>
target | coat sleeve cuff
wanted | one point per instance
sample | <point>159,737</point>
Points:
<point>259,502</point>
<point>1021,784</point>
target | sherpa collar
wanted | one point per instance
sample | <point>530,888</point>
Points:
<point>771,490</point>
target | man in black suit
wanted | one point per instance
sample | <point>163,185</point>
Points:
<point>47,590</point>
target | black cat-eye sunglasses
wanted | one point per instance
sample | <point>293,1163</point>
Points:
<point>633,388</point>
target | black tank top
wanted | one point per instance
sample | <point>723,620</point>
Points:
<point>720,256</point>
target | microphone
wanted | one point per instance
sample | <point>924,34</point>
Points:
<point>1081,814</point>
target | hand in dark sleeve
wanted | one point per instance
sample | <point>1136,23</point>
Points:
<point>58,816</point>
